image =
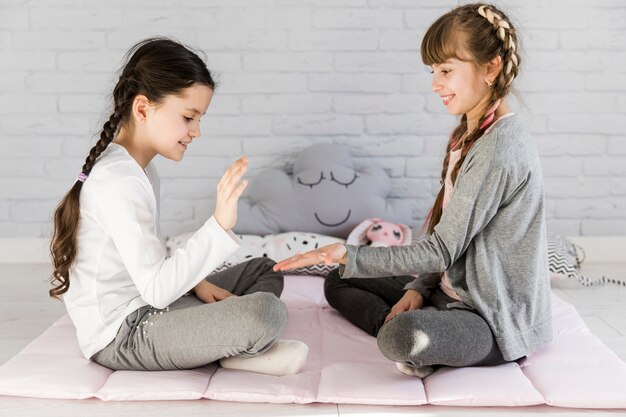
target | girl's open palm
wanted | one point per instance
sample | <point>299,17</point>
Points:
<point>329,254</point>
<point>229,190</point>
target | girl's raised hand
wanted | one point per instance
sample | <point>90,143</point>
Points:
<point>329,254</point>
<point>229,190</point>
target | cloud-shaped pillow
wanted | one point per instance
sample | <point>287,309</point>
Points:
<point>325,195</point>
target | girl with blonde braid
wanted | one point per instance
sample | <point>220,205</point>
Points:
<point>134,307</point>
<point>482,266</point>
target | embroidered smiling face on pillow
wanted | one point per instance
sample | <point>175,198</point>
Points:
<point>324,194</point>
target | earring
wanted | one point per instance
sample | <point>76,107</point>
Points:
<point>489,83</point>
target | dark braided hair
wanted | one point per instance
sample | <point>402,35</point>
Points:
<point>483,32</point>
<point>156,68</point>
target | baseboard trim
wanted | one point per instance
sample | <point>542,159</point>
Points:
<point>37,250</point>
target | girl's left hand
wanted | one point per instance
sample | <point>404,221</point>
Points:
<point>210,293</point>
<point>329,254</point>
<point>411,300</point>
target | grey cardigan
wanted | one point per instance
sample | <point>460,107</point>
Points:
<point>491,239</point>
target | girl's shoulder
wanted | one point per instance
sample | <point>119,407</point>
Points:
<point>508,129</point>
<point>509,136</point>
<point>114,168</point>
<point>507,144</point>
<point>115,161</point>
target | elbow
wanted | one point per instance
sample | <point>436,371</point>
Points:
<point>441,258</point>
<point>445,262</point>
<point>160,304</point>
<point>156,300</point>
<point>156,291</point>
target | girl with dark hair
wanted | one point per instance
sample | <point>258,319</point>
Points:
<point>482,268</point>
<point>133,307</point>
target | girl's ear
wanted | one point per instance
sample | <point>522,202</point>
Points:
<point>493,69</point>
<point>141,106</point>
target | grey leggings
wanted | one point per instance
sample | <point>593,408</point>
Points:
<point>434,335</point>
<point>190,333</point>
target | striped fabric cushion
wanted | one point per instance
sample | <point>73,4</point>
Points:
<point>565,259</point>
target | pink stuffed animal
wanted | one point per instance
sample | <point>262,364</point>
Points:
<point>379,233</point>
<point>382,233</point>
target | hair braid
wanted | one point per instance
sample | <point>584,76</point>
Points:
<point>106,137</point>
<point>123,95</point>
<point>506,34</point>
<point>63,250</point>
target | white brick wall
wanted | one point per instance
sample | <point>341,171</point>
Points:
<point>297,72</point>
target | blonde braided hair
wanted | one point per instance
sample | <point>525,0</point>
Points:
<point>505,33</point>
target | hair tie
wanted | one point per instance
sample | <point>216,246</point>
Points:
<point>82,177</point>
<point>490,114</point>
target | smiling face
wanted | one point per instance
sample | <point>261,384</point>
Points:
<point>461,86</point>
<point>173,124</point>
<point>466,57</point>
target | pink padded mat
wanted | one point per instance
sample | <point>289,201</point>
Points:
<point>344,366</point>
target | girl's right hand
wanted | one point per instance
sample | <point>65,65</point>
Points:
<point>229,190</point>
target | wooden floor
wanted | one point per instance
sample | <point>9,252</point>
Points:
<point>26,311</point>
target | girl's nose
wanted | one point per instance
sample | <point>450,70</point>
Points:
<point>435,85</point>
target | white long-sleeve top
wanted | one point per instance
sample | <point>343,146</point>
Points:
<point>121,263</point>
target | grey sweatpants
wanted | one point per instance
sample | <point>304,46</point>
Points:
<point>434,335</point>
<point>190,333</point>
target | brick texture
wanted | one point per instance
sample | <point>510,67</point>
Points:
<point>297,72</point>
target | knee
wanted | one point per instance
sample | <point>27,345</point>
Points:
<point>268,314</point>
<point>263,263</point>
<point>399,340</point>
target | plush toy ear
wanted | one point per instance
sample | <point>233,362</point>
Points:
<point>408,234</point>
<point>358,234</point>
